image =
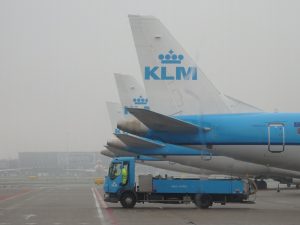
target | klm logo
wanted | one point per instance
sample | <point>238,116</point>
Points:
<point>118,131</point>
<point>139,102</point>
<point>161,73</point>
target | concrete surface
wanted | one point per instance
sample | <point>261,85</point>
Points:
<point>63,204</point>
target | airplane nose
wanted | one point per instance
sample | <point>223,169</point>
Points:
<point>132,126</point>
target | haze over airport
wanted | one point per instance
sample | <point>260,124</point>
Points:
<point>57,60</point>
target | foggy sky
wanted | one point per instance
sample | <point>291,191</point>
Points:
<point>57,60</point>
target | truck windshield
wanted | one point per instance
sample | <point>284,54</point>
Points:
<point>114,170</point>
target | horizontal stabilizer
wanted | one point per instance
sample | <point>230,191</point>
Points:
<point>123,153</point>
<point>107,153</point>
<point>146,147</point>
<point>160,122</point>
<point>138,142</point>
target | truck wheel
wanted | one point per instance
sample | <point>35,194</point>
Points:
<point>128,200</point>
<point>203,201</point>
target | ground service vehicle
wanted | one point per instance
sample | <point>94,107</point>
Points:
<point>203,192</point>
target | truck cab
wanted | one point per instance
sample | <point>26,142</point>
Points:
<point>114,187</point>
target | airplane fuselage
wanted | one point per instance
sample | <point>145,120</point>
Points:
<point>271,139</point>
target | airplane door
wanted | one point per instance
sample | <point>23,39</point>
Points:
<point>276,138</point>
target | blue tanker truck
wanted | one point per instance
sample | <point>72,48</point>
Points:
<point>202,192</point>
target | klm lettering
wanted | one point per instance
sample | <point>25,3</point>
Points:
<point>160,73</point>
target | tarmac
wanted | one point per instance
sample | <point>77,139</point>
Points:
<point>82,204</point>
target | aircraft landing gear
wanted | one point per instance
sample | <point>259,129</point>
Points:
<point>278,188</point>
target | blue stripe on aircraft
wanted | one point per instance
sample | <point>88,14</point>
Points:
<point>235,129</point>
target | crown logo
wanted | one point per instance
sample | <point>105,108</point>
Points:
<point>117,131</point>
<point>170,58</point>
<point>140,101</point>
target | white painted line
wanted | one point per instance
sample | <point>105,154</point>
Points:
<point>27,217</point>
<point>99,210</point>
<point>102,202</point>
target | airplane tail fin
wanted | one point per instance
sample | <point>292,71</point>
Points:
<point>173,81</point>
<point>115,113</point>
<point>238,106</point>
<point>131,93</point>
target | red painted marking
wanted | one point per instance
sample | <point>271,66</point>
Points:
<point>108,211</point>
<point>111,216</point>
<point>13,196</point>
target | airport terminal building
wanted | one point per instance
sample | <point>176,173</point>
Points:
<point>57,163</point>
